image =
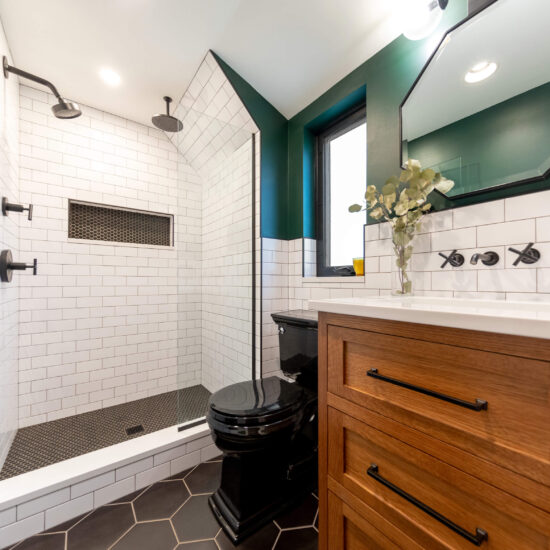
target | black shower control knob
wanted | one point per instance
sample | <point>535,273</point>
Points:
<point>8,266</point>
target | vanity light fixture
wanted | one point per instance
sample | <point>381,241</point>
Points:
<point>421,17</point>
<point>480,72</point>
<point>110,77</point>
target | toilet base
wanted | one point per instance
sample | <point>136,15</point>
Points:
<point>257,487</point>
<point>238,530</point>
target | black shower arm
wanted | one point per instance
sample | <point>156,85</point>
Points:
<point>24,74</point>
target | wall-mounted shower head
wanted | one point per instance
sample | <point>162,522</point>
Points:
<point>66,109</point>
<point>167,122</point>
<point>63,109</point>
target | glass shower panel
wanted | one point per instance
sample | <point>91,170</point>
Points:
<point>215,281</point>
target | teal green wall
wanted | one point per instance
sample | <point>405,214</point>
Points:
<point>273,166</point>
<point>287,147</point>
<point>507,139</point>
<point>386,77</point>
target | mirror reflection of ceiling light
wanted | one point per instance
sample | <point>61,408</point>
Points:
<point>110,77</point>
<point>480,72</point>
<point>420,18</point>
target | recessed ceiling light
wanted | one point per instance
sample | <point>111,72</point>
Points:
<point>480,72</point>
<point>110,77</point>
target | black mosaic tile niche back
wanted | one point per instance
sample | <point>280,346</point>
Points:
<point>120,225</point>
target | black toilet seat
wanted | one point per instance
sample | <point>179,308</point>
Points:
<point>258,407</point>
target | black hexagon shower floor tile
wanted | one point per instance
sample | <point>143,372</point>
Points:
<point>174,514</point>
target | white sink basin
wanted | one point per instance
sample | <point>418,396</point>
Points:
<point>506,317</point>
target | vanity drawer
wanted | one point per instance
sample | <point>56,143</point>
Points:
<point>361,528</point>
<point>441,389</point>
<point>424,497</point>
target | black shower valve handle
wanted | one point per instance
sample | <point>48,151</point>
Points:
<point>16,266</point>
<point>528,255</point>
<point>12,207</point>
<point>454,258</point>
<point>8,266</point>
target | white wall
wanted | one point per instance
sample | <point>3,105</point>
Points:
<point>216,142</point>
<point>104,323</point>
<point>494,225</point>
<point>9,239</point>
<point>99,324</point>
<point>227,271</point>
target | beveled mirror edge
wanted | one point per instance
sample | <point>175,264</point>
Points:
<point>478,192</point>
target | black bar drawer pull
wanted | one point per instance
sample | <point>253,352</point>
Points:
<point>478,405</point>
<point>480,534</point>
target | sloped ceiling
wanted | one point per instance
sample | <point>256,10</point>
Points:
<point>289,50</point>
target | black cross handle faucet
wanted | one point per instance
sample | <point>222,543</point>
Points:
<point>528,255</point>
<point>454,258</point>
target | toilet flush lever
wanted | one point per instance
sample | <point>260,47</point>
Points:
<point>281,329</point>
<point>11,207</point>
<point>8,266</point>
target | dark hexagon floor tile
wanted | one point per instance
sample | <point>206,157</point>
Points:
<point>301,515</point>
<point>205,478</point>
<point>146,536</point>
<point>101,528</point>
<point>161,500</point>
<point>180,475</point>
<point>44,542</point>
<point>201,545</point>
<point>304,539</point>
<point>216,459</point>
<point>262,540</point>
<point>66,525</point>
<point>195,521</point>
<point>128,498</point>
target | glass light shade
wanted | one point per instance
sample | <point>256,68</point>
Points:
<point>419,18</point>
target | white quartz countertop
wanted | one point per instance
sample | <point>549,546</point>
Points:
<point>506,317</point>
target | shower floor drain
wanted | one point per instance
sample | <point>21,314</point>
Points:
<point>134,429</point>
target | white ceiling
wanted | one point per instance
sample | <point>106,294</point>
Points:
<point>507,33</point>
<point>291,51</point>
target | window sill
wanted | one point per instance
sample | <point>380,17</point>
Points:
<point>344,280</point>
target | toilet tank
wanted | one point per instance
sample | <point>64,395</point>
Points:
<point>298,345</point>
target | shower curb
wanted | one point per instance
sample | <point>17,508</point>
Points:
<point>43,498</point>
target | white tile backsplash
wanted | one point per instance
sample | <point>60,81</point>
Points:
<point>506,233</point>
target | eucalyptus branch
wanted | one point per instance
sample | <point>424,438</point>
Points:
<point>402,202</point>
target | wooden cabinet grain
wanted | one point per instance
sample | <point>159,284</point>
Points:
<point>410,399</point>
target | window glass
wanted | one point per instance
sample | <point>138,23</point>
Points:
<point>348,176</point>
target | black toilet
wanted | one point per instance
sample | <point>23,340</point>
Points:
<point>267,431</point>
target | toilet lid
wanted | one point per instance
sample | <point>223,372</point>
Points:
<point>258,399</point>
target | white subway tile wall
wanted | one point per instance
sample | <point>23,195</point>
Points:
<point>105,323</point>
<point>216,141</point>
<point>495,226</point>
<point>9,239</point>
<point>227,271</point>
<point>99,323</point>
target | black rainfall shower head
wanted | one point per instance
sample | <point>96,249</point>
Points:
<point>66,109</point>
<point>63,109</point>
<point>167,122</point>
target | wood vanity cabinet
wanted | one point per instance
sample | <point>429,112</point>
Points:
<point>432,437</point>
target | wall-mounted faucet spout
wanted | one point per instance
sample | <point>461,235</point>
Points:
<point>487,258</point>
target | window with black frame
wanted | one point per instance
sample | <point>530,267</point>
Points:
<point>341,177</point>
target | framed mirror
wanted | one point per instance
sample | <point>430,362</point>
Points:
<point>479,112</point>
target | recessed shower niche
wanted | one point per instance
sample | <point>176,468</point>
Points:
<point>99,222</point>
